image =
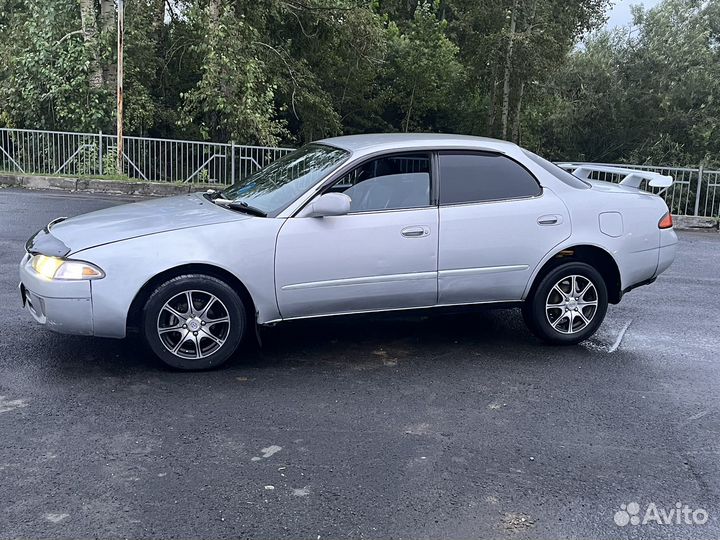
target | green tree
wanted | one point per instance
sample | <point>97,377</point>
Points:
<point>649,93</point>
<point>45,75</point>
<point>422,72</point>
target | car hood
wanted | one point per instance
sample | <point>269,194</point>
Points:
<point>139,219</point>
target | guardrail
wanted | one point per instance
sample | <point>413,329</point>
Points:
<point>695,192</point>
<point>30,151</point>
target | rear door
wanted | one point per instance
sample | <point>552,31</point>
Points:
<point>496,225</point>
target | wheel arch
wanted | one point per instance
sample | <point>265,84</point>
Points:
<point>133,320</point>
<point>595,256</point>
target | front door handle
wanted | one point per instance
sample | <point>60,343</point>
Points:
<point>415,231</point>
<point>550,219</point>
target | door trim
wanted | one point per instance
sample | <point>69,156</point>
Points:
<point>389,278</point>
<point>483,270</point>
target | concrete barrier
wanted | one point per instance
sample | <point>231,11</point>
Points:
<point>97,185</point>
<point>694,223</point>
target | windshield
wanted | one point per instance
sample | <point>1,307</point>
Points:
<point>558,172</point>
<point>274,187</point>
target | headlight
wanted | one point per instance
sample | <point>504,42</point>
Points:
<point>57,268</point>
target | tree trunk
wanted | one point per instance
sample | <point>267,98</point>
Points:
<point>516,121</point>
<point>158,16</point>
<point>508,72</point>
<point>215,9</point>
<point>106,24</point>
<point>493,101</point>
<point>409,112</point>
<point>88,20</point>
<point>518,105</point>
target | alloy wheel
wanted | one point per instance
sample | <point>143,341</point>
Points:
<point>571,304</point>
<point>193,324</point>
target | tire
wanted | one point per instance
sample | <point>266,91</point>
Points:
<point>557,317</point>
<point>202,337</point>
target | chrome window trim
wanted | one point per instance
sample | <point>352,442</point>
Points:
<point>389,210</point>
<point>493,201</point>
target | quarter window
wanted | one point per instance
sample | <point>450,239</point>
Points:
<point>388,183</point>
<point>478,177</point>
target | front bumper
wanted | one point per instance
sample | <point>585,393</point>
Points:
<point>62,306</point>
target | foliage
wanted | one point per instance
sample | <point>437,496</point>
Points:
<point>289,71</point>
<point>43,77</point>
<point>423,63</point>
<point>646,94</point>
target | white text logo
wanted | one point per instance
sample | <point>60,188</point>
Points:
<point>680,514</point>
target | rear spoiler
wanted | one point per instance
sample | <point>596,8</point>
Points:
<point>631,177</point>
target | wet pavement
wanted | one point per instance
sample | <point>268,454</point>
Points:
<point>457,426</point>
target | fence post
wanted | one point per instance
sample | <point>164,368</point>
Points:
<point>100,163</point>
<point>699,187</point>
<point>232,162</point>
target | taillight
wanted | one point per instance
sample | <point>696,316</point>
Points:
<point>665,221</point>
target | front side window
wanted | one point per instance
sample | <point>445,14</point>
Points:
<point>388,183</point>
<point>479,177</point>
<point>274,187</point>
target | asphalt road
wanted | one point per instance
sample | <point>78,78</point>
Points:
<point>461,426</point>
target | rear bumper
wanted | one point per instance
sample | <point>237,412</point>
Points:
<point>666,253</point>
<point>61,306</point>
<point>640,284</point>
<point>665,257</point>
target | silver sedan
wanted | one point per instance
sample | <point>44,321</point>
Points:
<point>355,224</point>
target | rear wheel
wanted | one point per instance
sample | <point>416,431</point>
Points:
<point>194,322</point>
<point>568,305</point>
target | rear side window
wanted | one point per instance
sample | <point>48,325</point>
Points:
<point>557,172</point>
<point>477,177</point>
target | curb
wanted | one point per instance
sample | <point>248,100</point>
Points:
<point>93,185</point>
<point>694,223</point>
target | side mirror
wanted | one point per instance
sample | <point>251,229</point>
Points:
<point>330,204</point>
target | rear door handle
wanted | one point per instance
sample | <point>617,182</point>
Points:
<point>550,219</point>
<point>415,231</point>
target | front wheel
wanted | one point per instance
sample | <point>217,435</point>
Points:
<point>568,305</point>
<point>194,322</point>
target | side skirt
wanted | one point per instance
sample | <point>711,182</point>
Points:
<point>441,308</point>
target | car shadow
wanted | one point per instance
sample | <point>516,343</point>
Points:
<point>353,342</point>
<point>387,338</point>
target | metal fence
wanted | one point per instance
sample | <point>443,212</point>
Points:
<point>30,151</point>
<point>695,192</point>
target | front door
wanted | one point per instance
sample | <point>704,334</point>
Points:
<point>382,255</point>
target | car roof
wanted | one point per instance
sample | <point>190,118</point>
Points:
<point>389,141</point>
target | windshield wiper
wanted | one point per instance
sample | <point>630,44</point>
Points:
<point>245,207</point>
<point>212,194</point>
<point>241,206</point>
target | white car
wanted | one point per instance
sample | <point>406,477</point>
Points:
<point>354,224</point>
